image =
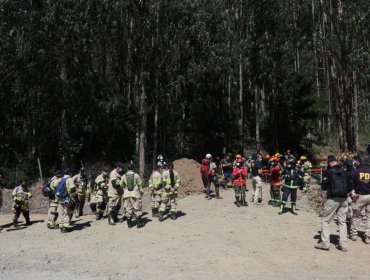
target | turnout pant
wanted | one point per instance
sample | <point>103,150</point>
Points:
<point>114,204</point>
<point>168,200</point>
<point>332,206</point>
<point>363,202</point>
<point>133,207</point>
<point>156,200</point>
<point>53,213</point>
<point>66,217</point>
<point>289,191</point>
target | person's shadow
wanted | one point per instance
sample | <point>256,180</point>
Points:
<point>334,238</point>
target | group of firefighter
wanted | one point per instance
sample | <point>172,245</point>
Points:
<point>105,194</point>
<point>285,174</point>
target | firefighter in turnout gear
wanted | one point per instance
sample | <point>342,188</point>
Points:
<point>292,177</point>
<point>80,181</point>
<point>53,201</point>
<point>156,186</point>
<point>115,192</point>
<point>171,183</point>
<point>306,167</point>
<point>133,191</point>
<point>21,195</point>
<point>68,204</point>
<point>91,193</point>
<point>101,195</point>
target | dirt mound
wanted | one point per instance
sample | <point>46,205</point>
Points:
<point>191,182</point>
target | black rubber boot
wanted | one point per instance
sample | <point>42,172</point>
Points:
<point>294,209</point>
<point>160,216</point>
<point>15,223</point>
<point>98,216</point>
<point>154,212</point>
<point>173,216</point>
<point>63,230</point>
<point>139,222</point>
<point>129,222</point>
<point>93,207</point>
<point>27,217</point>
<point>237,202</point>
<point>111,219</point>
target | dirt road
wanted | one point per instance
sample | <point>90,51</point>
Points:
<point>210,240</point>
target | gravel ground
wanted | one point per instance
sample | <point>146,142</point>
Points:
<point>210,240</point>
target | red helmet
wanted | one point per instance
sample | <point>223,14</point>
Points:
<point>267,157</point>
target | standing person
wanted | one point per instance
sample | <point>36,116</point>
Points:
<point>133,191</point>
<point>292,177</point>
<point>115,192</point>
<point>337,185</point>
<point>80,181</point>
<point>101,195</point>
<point>361,185</point>
<point>275,182</point>
<point>21,195</point>
<point>68,201</point>
<point>171,183</point>
<point>206,173</point>
<point>306,167</point>
<point>156,186</point>
<point>256,169</point>
<point>91,193</point>
<point>227,169</point>
<point>240,183</point>
<point>53,200</point>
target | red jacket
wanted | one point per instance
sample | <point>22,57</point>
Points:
<point>275,176</point>
<point>240,178</point>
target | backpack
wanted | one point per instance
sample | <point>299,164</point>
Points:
<point>61,189</point>
<point>46,190</point>
<point>130,179</point>
<point>339,184</point>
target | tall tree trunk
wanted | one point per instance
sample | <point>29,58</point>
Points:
<point>143,125</point>
<point>257,114</point>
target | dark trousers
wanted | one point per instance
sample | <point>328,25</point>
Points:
<point>291,192</point>
<point>207,184</point>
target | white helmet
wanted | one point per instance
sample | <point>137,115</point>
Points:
<point>160,157</point>
<point>208,156</point>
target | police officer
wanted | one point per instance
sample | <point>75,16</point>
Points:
<point>361,183</point>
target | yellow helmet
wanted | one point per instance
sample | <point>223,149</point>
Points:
<point>303,158</point>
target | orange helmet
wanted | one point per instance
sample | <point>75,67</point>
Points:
<point>274,158</point>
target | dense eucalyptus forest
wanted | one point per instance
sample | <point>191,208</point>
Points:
<point>105,80</point>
